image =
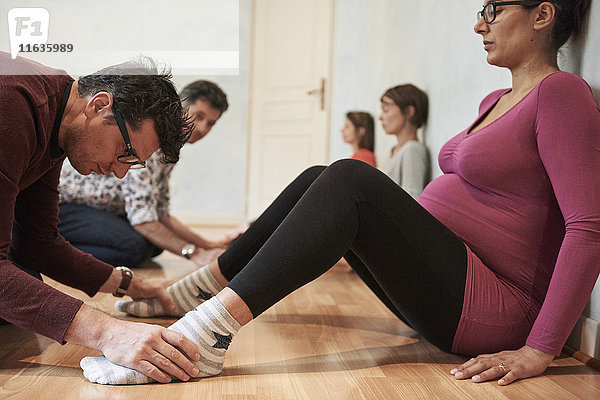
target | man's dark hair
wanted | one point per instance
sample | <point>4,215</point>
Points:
<point>205,91</point>
<point>142,91</point>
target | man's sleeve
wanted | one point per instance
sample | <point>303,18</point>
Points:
<point>37,244</point>
<point>164,195</point>
<point>141,194</point>
<point>24,300</point>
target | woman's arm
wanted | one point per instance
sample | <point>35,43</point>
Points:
<point>568,139</point>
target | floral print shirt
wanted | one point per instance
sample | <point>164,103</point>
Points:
<point>141,196</point>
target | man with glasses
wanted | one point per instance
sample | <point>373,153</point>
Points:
<point>106,122</point>
<point>127,221</point>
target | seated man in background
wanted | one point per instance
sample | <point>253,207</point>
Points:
<point>127,221</point>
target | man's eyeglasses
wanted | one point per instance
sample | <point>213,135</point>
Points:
<point>129,157</point>
<point>489,10</point>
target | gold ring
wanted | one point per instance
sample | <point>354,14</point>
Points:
<point>501,365</point>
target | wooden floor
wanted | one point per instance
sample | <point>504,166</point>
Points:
<point>329,340</point>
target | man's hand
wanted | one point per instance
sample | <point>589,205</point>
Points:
<point>150,288</point>
<point>152,350</point>
<point>506,365</point>
<point>201,257</point>
<point>141,288</point>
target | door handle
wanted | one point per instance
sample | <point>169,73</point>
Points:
<point>319,92</point>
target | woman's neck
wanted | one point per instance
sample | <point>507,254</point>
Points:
<point>406,134</point>
<point>526,76</point>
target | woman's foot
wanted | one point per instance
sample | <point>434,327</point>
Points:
<point>187,293</point>
<point>210,327</point>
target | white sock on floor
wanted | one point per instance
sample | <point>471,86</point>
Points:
<point>210,327</point>
<point>187,293</point>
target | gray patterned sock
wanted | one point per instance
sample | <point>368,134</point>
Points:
<point>210,327</point>
<point>187,293</point>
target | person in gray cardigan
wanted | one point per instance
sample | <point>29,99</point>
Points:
<point>404,110</point>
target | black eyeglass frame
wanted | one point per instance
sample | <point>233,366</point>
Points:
<point>494,4</point>
<point>135,163</point>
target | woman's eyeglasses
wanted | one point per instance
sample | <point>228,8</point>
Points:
<point>488,13</point>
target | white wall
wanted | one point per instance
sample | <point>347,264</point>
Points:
<point>383,43</point>
<point>210,178</point>
<point>178,32</point>
<point>589,70</point>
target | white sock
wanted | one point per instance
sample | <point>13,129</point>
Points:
<point>187,293</point>
<point>210,327</point>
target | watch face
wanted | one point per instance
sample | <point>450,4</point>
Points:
<point>188,249</point>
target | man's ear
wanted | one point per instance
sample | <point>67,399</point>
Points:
<point>99,105</point>
<point>544,16</point>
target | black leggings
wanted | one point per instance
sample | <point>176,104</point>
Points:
<point>413,263</point>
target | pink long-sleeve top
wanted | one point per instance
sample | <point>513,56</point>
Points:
<point>524,195</point>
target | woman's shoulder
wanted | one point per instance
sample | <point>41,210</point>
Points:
<point>365,155</point>
<point>563,82</point>
<point>362,150</point>
<point>414,146</point>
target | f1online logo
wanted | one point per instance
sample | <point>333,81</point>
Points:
<point>27,26</point>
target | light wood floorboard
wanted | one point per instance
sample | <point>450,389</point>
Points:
<point>329,340</point>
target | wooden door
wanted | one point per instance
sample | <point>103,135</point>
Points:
<point>289,94</point>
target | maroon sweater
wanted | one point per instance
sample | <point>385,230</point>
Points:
<point>30,164</point>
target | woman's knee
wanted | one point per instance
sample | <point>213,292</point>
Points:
<point>349,169</point>
<point>312,173</point>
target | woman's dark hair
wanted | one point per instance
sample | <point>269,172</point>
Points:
<point>142,91</point>
<point>569,19</point>
<point>205,91</point>
<point>361,119</point>
<point>408,95</point>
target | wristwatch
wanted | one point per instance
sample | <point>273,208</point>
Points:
<point>126,276</point>
<point>187,250</point>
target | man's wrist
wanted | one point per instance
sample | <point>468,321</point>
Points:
<point>88,328</point>
<point>112,283</point>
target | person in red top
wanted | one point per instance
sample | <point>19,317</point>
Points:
<point>359,132</point>
<point>106,122</point>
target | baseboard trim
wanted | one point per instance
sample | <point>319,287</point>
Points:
<point>585,337</point>
<point>582,357</point>
<point>210,221</point>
